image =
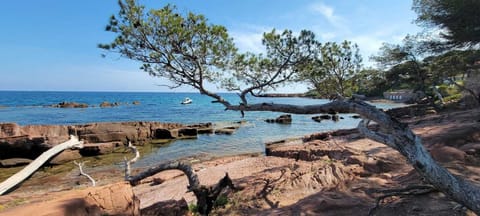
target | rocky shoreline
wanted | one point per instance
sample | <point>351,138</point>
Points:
<point>19,144</point>
<point>339,167</point>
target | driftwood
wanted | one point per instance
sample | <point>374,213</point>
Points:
<point>19,177</point>
<point>397,136</point>
<point>80,166</point>
<point>206,196</point>
<point>128,163</point>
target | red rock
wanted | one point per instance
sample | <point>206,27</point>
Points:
<point>446,154</point>
<point>70,105</point>
<point>32,140</point>
<point>9,130</point>
<point>66,156</point>
<point>114,199</point>
<point>99,148</point>
<point>166,208</point>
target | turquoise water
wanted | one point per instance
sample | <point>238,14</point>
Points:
<point>32,108</point>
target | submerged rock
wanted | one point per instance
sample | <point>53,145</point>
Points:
<point>321,117</point>
<point>106,104</point>
<point>283,119</point>
<point>226,130</point>
<point>333,117</point>
<point>66,104</point>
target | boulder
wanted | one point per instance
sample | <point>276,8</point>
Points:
<point>136,132</point>
<point>113,199</point>
<point>166,208</point>
<point>13,162</point>
<point>321,117</point>
<point>283,119</point>
<point>66,104</point>
<point>106,104</point>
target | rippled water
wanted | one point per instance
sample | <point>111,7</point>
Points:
<point>32,108</point>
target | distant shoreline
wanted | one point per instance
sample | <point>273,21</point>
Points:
<point>283,95</point>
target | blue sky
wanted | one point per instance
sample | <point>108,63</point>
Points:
<point>52,44</point>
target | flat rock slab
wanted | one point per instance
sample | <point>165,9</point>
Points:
<point>13,162</point>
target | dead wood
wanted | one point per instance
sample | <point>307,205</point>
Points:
<point>411,190</point>
<point>80,166</point>
<point>206,195</point>
<point>128,163</point>
<point>396,135</point>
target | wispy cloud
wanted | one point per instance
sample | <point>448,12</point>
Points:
<point>249,38</point>
<point>248,41</point>
<point>328,12</point>
<point>370,44</point>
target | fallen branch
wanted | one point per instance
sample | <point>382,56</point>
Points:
<point>396,135</point>
<point>80,166</point>
<point>206,196</point>
<point>128,163</point>
<point>20,176</point>
<point>407,191</point>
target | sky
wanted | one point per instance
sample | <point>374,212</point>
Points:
<point>51,45</point>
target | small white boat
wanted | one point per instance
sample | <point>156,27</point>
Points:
<point>187,101</point>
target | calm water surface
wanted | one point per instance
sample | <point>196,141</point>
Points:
<point>31,107</point>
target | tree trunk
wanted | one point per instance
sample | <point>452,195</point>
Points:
<point>399,137</point>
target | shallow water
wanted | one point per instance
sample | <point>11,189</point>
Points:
<point>32,108</point>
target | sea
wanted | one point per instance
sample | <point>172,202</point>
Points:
<point>34,107</point>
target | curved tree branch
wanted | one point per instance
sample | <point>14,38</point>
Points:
<point>206,196</point>
<point>80,166</point>
<point>399,137</point>
<point>128,163</point>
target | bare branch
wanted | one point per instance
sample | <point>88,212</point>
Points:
<point>80,166</point>
<point>410,190</point>
<point>206,196</point>
<point>128,163</point>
